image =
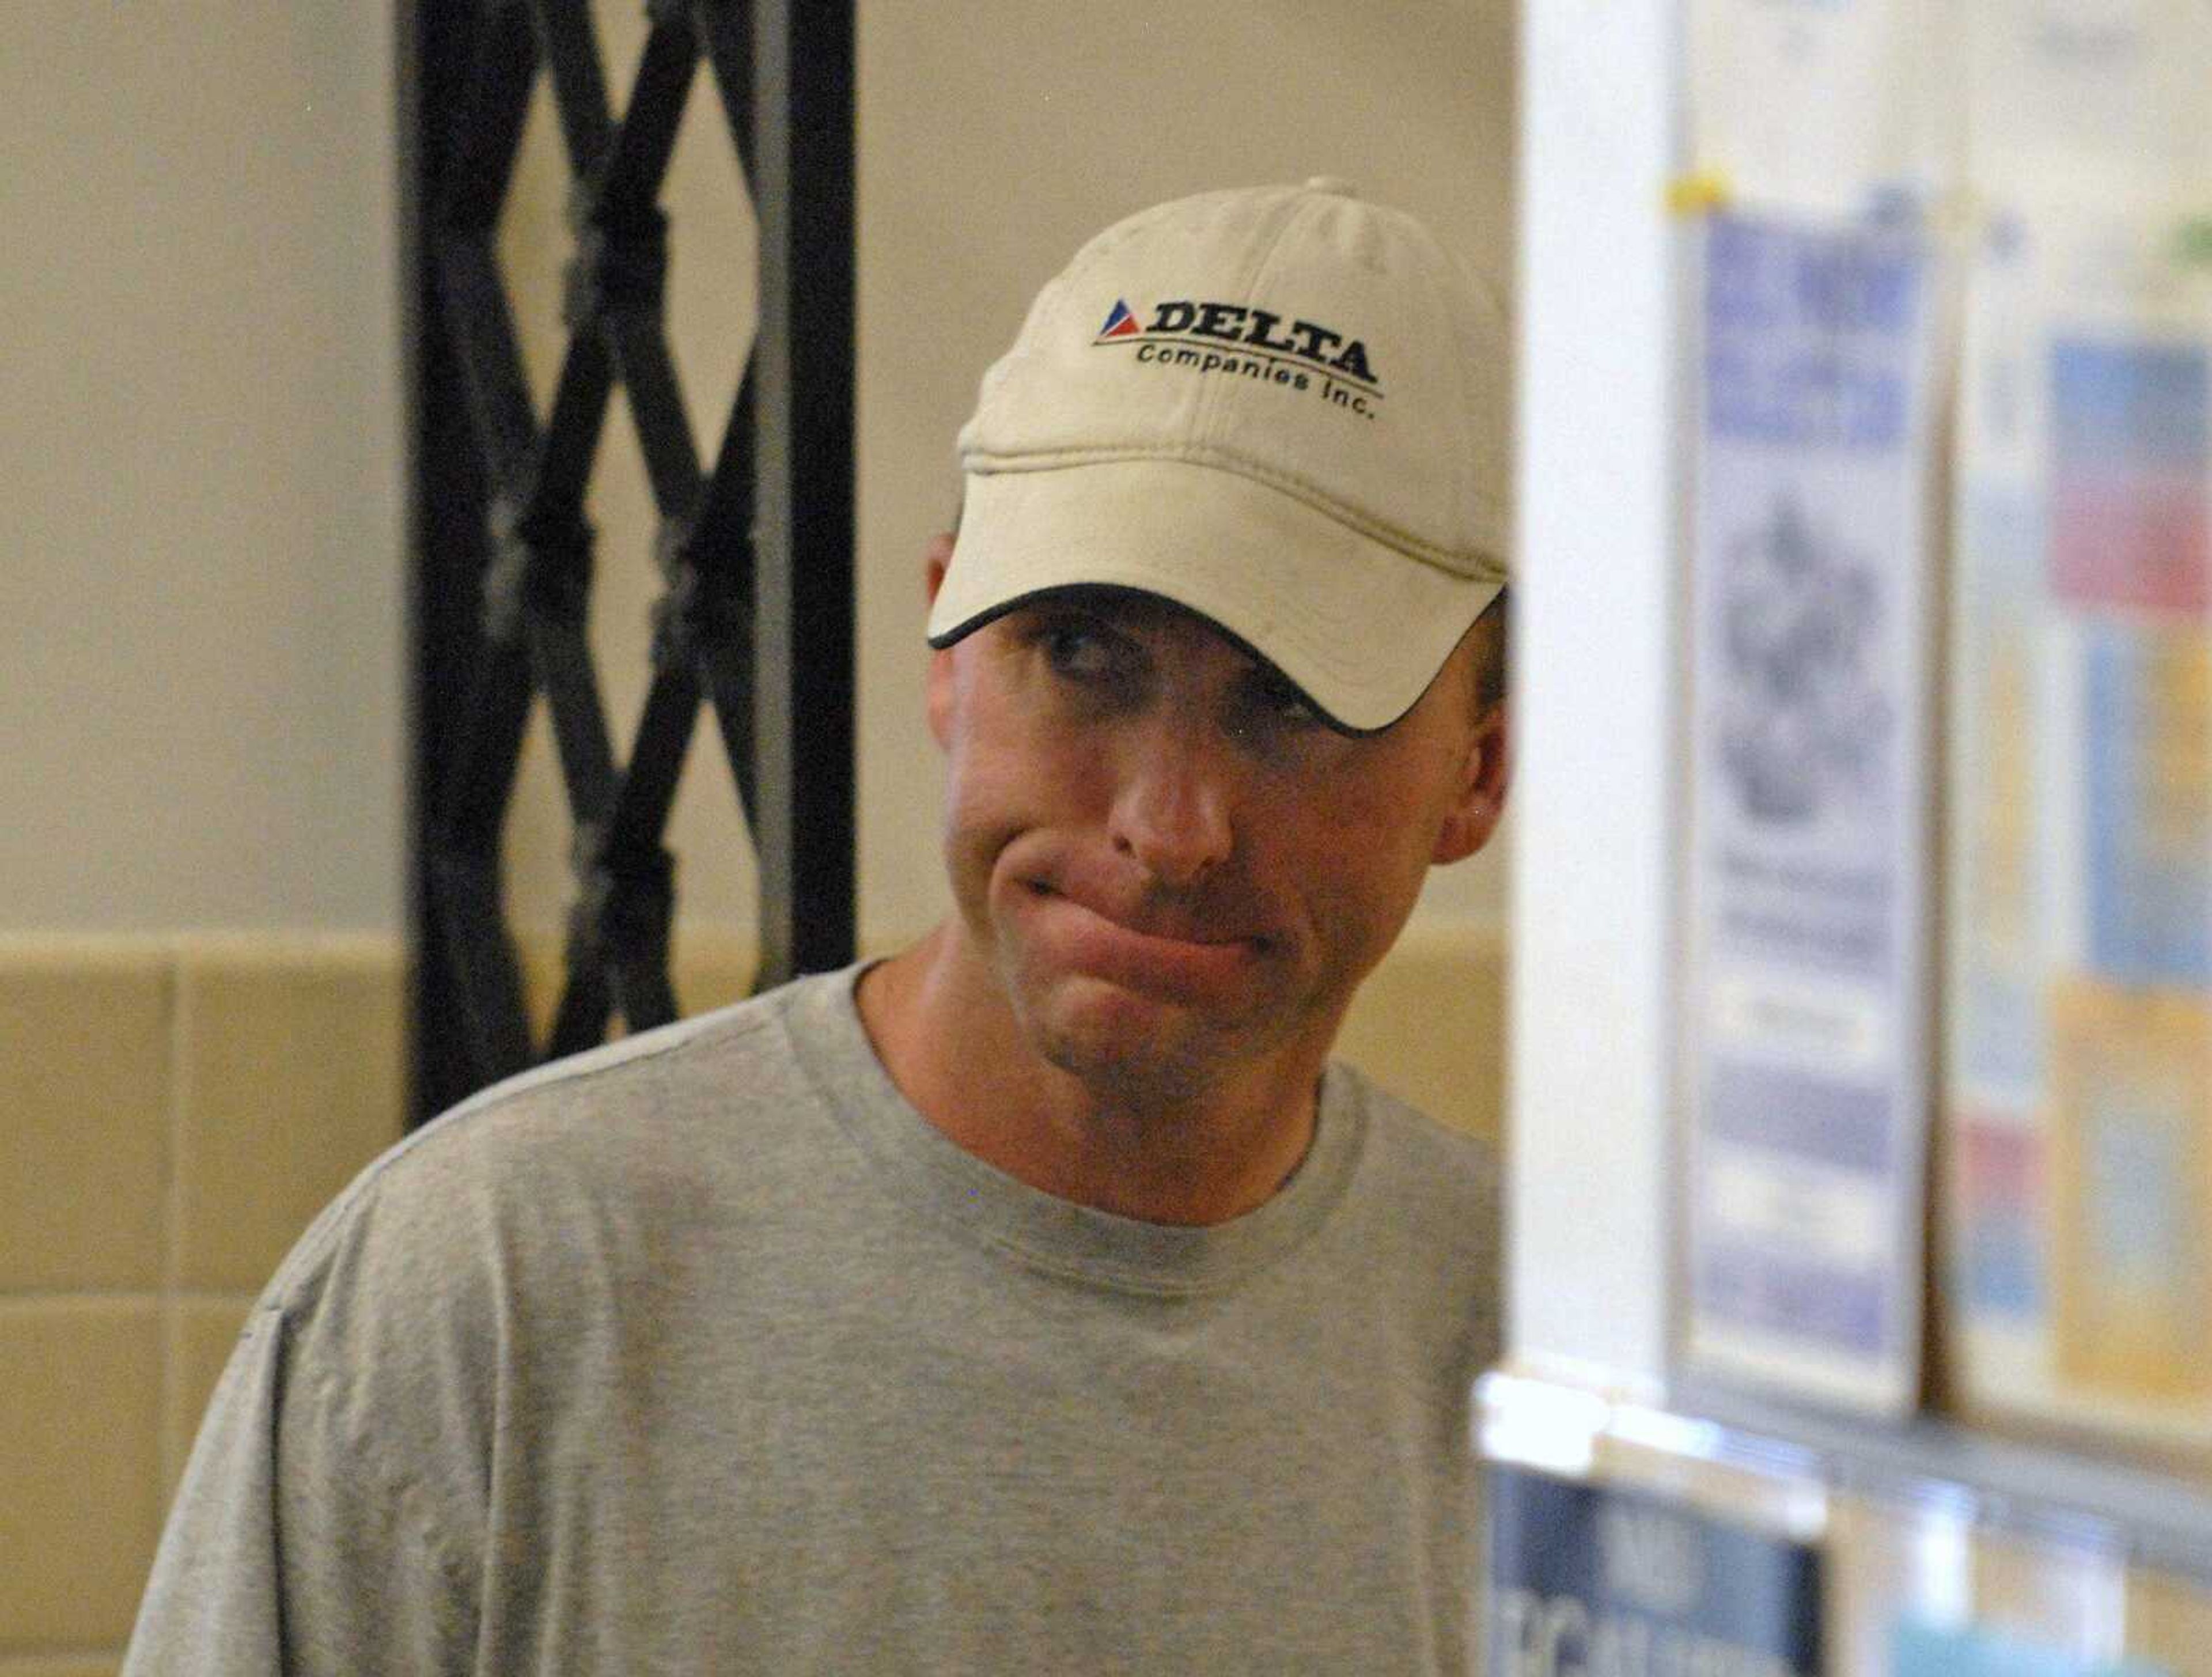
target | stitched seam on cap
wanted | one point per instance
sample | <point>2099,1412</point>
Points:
<point>1213,400</point>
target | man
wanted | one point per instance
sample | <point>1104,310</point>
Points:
<point>1041,1299</point>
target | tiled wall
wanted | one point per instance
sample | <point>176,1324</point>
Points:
<point>175,1112</point>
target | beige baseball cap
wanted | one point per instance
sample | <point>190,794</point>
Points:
<point>1285,407</point>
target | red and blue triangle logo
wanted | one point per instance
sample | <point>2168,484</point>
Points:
<point>1120,324</point>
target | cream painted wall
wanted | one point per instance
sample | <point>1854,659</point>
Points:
<point>199,477</point>
<point>203,500</point>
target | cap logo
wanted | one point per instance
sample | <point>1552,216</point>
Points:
<point>1185,332</point>
<point>1120,324</point>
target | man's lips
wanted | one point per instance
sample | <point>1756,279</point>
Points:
<point>1134,947</point>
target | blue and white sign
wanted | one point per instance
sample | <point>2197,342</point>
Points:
<point>1807,1054</point>
<point>1585,1579</point>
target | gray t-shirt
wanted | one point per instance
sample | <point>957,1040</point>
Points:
<point>706,1352</point>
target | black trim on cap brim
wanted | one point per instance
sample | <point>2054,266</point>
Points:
<point>982,619</point>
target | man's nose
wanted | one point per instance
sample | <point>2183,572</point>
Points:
<point>1172,812</point>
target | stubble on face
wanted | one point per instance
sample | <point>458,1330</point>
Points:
<point>1163,1086</point>
<point>1326,862</point>
<point>1052,943</point>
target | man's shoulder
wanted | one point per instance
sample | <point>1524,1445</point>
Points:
<point>653,1119</point>
<point>657,1074</point>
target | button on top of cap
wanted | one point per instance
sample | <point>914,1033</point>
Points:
<point>1335,185</point>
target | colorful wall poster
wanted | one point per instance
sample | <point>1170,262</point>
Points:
<point>2147,802</point>
<point>2005,760</point>
<point>2130,419</point>
<point>1807,1059</point>
<point>2077,1109</point>
<point>1998,769</point>
<point>2132,1086</point>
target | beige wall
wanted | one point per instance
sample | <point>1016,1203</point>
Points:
<point>199,482</point>
<point>200,959</point>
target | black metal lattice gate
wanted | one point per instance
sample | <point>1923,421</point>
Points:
<point>754,551</point>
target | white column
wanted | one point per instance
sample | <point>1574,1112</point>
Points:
<point>1596,644</point>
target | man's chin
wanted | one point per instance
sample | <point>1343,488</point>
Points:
<point>1126,1042</point>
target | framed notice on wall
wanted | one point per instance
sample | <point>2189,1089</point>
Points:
<point>1806,1087</point>
<point>1596,1578</point>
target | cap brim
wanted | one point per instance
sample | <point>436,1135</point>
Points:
<point>1361,627</point>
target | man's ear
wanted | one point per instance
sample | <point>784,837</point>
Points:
<point>936,561</point>
<point>1486,773</point>
<point>940,692</point>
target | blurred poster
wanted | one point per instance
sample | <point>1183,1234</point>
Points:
<point>2004,774</point>
<point>1927,1651</point>
<point>2043,1605</point>
<point>1592,1578</point>
<point>2133,1088</point>
<point>1998,774</point>
<point>2048,1593</point>
<point>2078,1101</point>
<point>1888,1560</point>
<point>1810,864</point>
<point>1880,73</point>
<point>2146,801</point>
<point>2129,418</point>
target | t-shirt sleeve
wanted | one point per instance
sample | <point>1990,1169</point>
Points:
<point>213,1602</point>
<point>295,1545</point>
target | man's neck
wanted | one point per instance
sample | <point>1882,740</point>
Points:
<point>952,1045</point>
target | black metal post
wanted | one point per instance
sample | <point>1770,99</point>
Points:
<point>803,536</point>
<point>757,556</point>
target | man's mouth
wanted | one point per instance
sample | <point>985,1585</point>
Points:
<point>1143,948</point>
<point>1162,925</point>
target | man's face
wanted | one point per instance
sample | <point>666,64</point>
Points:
<point>1174,870</point>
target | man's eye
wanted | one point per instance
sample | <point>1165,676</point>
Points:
<point>1082,652</point>
<point>1285,706</point>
